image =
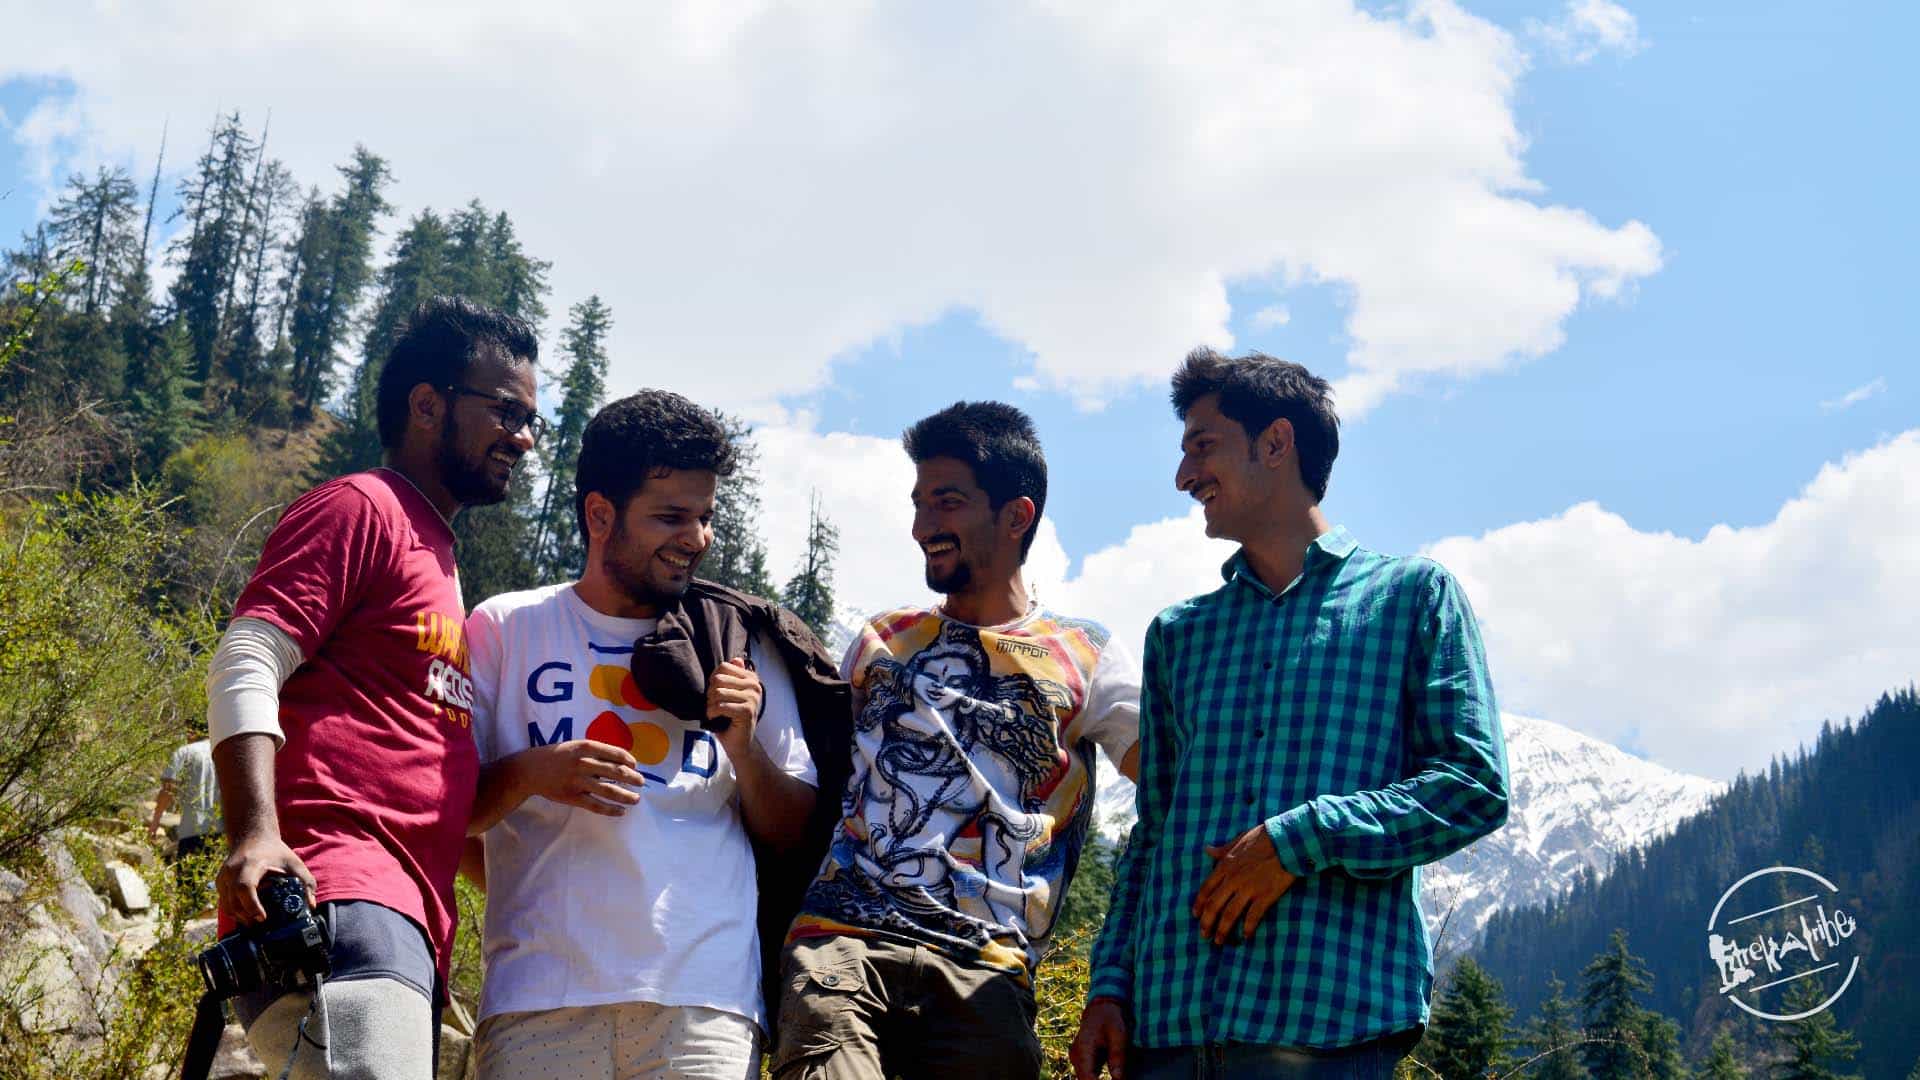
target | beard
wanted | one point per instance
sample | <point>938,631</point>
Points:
<point>955,580</point>
<point>470,482</point>
<point>630,575</point>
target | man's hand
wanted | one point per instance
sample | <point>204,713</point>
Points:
<point>1101,1040</point>
<point>734,692</point>
<point>1247,879</point>
<point>251,859</point>
<point>590,775</point>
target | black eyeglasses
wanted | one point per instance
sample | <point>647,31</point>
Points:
<point>513,414</point>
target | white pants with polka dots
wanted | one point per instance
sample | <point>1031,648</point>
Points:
<point>634,1040</point>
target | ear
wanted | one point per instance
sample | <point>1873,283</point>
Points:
<point>1020,515</point>
<point>426,407</point>
<point>600,516</point>
<point>1275,444</point>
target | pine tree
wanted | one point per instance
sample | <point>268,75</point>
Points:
<point>93,222</point>
<point>416,270</point>
<point>1553,1039</point>
<point>1660,1040</point>
<point>1613,1014</point>
<point>582,384</point>
<point>164,406</point>
<point>1812,1047</point>
<point>336,263</point>
<point>809,593</point>
<point>214,200</point>
<point>738,556</point>
<point>1722,1063</point>
<point>1469,1035</point>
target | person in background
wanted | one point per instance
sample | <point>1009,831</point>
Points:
<point>340,701</point>
<point>188,782</point>
<point>1312,732</point>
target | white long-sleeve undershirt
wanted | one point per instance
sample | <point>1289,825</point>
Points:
<point>252,663</point>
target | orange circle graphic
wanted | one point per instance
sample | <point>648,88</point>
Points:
<point>649,743</point>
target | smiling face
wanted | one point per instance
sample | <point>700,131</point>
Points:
<point>966,544</point>
<point>650,550</point>
<point>1220,468</point>
<point>477,455</point>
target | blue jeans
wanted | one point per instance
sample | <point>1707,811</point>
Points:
<point>1373,1060</point>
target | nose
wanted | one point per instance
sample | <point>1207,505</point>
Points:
<point>1183,476</point>
<point>523,439</point>
<point>923,528</point>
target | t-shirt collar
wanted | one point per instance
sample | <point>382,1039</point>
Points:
<point>626,628</point>
<point>1327,550</point>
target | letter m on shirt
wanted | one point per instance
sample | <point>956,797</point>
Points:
<point>562,732</point>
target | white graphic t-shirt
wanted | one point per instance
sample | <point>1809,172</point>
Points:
<point>657,905</point>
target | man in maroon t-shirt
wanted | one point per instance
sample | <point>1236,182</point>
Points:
<point>340,698</point>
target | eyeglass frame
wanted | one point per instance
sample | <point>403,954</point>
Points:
<point>506,409</point>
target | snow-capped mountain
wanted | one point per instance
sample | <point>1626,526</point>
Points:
<point>1577,802</point>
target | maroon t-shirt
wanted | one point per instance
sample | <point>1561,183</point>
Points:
<point>376,780</point>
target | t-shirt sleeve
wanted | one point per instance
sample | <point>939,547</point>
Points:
<point>317,563</point>
<point>1111,717</point>
<point>779,730</point>
<point>485,655</point>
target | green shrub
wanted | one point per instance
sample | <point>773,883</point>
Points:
<point>95,688</point>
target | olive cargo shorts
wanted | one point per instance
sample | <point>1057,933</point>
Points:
<point>866,1009</point>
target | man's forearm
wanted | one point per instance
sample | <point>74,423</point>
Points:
<point>502,789</point>
<point>773,805</point>
<point>243,765</point>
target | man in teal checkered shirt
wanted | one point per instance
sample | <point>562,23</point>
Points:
<point>1311,733</point>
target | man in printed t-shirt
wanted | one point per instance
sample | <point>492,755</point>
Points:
<point>972,792</point>
<point>340,701</point>
<point>620,937</point>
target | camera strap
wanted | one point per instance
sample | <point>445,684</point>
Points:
<point>301,1036</point>
<point>209,1021</point>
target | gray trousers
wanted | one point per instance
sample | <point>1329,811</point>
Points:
<point>375,1018</point>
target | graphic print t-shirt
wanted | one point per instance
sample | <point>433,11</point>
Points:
<point>376,779</point>
<point>658,905</point>
<point>972,786</point>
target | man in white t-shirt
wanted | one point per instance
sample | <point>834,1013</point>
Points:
<point>620,935</point>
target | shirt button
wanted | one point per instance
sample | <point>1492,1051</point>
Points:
<point>829,980</point>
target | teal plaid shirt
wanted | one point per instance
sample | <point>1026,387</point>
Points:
<point>1352,715</point>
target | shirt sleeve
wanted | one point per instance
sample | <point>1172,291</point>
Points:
<point>1111,715</point>
<point>1113,952</point>
<point>778,732</point>
<point>317,563</point>
<point>485,656</point>
<point>176,765</point>
<point>1457,791</point>
<point>254,660</point>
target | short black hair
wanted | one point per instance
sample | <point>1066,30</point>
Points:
<point>999,442</point>
<point>1257,389</point>
<point>442,336</point>
<point>642,435</point>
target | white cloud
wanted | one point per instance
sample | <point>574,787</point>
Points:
<point>1588,28</point>
<point>1711,654</point>
<point>1267,318</point>
<point>1855,396</point>
<point>756,189</point>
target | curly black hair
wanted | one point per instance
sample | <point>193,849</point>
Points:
<point>999,442</point>
<point>645,435</point>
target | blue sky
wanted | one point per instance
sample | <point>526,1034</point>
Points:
<point>1763,145</point>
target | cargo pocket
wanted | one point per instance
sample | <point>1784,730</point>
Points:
<point>820,1005</point>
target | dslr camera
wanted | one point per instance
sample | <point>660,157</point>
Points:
<point>288,949</point>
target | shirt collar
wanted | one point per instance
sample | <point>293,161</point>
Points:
<point>1328,549</point>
